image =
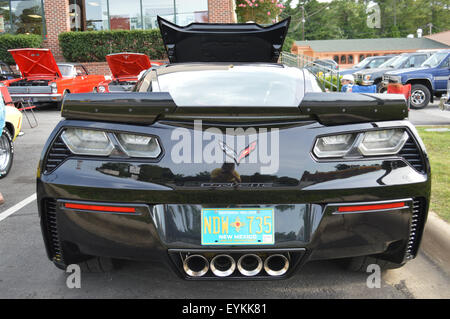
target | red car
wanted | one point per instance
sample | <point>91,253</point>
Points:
<point>43,80</point>
<point>125,68</point>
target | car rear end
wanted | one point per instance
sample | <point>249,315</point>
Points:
<point>236,190</point>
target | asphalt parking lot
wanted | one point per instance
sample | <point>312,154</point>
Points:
<point>25,271</point>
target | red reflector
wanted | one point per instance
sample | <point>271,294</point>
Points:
<point>115,209</point>
<point>370,207</point>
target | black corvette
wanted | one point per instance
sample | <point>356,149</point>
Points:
<point>225,164</point>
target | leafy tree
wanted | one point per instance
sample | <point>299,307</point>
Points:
<point>347,19</point>
<point>259,11</point>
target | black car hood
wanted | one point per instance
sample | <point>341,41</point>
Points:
<point>206,42</point>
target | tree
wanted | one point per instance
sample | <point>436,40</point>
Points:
<point>259,11</point>
<point>347,19</point>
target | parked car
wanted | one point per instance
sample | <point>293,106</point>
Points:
<point>371,62</point>
<point>45,81</point>
<point>13,125</point>
<point>6,73</point>
<point>375,76</point>
<point>125,68</point>
<point>427,81</point>
<point>179,170</point>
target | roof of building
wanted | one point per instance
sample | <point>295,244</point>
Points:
<point>442,37</point>
<point>379,44</point>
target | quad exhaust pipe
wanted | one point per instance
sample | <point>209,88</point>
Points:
<point>224,265</point>
<point>276,265</point>
<point>250,265</point>
<point>196,265</point>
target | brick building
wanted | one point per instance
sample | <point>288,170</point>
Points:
<point>51,17</point>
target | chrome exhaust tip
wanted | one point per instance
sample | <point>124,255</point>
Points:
<point>196,265</point>
<point>276,265</point>
<point>249,264</point>
<point>223,265</point>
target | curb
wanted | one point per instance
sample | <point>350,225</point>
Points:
<point>436,241</point>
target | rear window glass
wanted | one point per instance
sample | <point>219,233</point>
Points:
<point>235,86</point>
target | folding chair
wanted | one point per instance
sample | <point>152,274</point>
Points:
<point>397,88</point>
<point>25,109</point>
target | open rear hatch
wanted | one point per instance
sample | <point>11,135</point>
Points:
<point>36,62</point>
<point>205,42</point>
<point>127,65</point>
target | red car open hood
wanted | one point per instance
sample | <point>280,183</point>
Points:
<point>127,65</point>
<point>35,62</point>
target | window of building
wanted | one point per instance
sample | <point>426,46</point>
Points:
<point>22,16</point>
<point>88,15</point>
<point>343,59</point>
<point>336,58</point>
<point>350,59</point>
<point>361,57</point>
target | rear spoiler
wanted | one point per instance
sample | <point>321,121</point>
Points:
<point>216,42</point>
<point>133,108</point>
<point>146,108</point>
<point>335,108</point>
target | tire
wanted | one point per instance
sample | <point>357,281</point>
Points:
<point>93,265</point>
<point>6,152</point>
<point>381,88</point>
<point>360,264</point>
<point>420,96</point>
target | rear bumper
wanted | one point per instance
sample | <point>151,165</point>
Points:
<point>37,98</point>
<point>170,232</point>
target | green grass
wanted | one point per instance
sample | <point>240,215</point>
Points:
<point>438,148</point>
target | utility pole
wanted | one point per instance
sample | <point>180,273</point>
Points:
<point>395,13</point>
<point>431,27</point>
<point>303,23</point>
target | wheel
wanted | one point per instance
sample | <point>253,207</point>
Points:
<point>92,265</point>
<point>420,96</point>
<point>381,88</point>
<point>360,264</point>
<point>6,152</point>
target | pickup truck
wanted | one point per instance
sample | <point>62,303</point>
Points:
<point>375,76</point>
<point>428,81</point>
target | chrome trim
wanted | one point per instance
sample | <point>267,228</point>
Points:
<point>38,97</point>
<point>193,273</point>
<point>222,273</point>
<point>280,272</point>
<point>253,272</point>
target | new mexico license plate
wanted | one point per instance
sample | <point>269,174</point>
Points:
<point>238,226</point>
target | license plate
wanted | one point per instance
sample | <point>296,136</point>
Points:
<point>238,226</point>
